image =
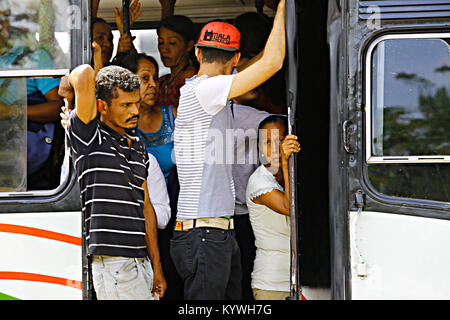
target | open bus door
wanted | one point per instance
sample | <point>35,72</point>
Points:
<point>389,149</point>
<point>41,251</point>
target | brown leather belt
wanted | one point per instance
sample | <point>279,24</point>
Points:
<point>219,223</point>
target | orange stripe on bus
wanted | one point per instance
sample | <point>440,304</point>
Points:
<point>23,276</point>
<point>10,228</point>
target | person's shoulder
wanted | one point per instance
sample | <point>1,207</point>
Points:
<point>189,72</point>
<point>258,174</point>
<point>75,121</point>
<point>247,116</point>
<point>260,182</point>
<point>163,78</point>
<point>152,159</point>
<point>214,82</point>
<point>263,176</point>
<point>166,76</point>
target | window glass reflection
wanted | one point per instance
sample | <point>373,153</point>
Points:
<point>13,134</point>
<point>411,97</point>
<point>419,181</point>
<point>34,34</point>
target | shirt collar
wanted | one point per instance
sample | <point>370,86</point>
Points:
<point>129,133</point>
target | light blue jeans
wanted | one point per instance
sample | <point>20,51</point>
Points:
<point>122,278</point>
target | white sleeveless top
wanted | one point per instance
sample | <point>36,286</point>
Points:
<point>271,270</point>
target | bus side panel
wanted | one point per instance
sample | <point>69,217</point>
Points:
<point>405,257</point>
<point>41,256</point>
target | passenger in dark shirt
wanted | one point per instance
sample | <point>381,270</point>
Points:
<point>111,166</point>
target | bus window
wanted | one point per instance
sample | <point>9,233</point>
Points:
<point>34,53</point>
<point>408,118</point>
<point>33,28</point>
<point>13,137</point>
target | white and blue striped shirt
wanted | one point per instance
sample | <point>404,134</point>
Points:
<point>203,145</point>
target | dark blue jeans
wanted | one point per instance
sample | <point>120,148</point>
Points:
<point>208,261</point>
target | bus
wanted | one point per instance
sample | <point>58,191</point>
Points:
<point>367,90</point>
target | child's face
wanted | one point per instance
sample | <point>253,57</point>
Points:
<point>271,136</point>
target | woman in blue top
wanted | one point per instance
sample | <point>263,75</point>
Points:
<point>156,123</point>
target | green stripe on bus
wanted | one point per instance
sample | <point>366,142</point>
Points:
<point>7,297</point>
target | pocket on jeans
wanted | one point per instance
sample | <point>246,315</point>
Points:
<point>99,283</point>
<point>125,272</point>
<point>216,235</point>
<point>181,254</point>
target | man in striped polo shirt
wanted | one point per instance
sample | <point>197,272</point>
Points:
<point>203,248</point>
<point>111,166</point>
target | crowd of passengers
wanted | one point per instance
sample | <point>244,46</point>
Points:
<point>261,215</point>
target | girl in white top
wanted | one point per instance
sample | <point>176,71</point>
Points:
<point>268,204</point>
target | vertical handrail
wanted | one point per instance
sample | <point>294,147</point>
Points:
<point>291,77</point>
<point>126,16</point>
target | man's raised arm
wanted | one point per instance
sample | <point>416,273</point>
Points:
<point>270,61</point>
<point>82,80</point>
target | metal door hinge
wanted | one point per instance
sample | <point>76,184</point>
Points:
<point>360,200</point>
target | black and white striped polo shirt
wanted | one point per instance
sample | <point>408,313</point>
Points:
<point>110,175</point>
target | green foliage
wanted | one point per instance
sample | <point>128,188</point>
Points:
<point>427,135</point>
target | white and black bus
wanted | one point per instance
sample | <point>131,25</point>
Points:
<point>367,90</point>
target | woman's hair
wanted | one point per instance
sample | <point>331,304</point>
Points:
<point>97,20</point>
<point>179,24</point>
<point>130,60</point>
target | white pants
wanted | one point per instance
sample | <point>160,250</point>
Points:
<point>122,278</point>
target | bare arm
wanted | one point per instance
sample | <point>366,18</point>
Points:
<point>167,8</point>
<point>250,62</point>
<point>95,5</point>
<point>175,112</point>
<point>48,111</point>
<point>97,53</point>
<point>275,200</point>
<point>135,12</point>
<point>65,90</point>
<point>270,61</point>
<point>151,239</point>
<point>126,40</point>
<point>82,80</point>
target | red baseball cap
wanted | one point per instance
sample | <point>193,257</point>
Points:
<point>219,35</point>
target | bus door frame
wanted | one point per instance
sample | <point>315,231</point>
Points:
<point>338,183</point>
<point>291,94</point>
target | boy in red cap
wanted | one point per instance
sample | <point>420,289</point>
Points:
<point>203,248</point>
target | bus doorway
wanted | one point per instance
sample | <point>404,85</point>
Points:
<point>312,118</point>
